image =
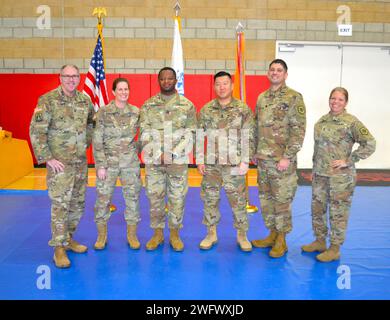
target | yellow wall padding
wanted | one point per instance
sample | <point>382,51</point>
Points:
<point>15,159</point>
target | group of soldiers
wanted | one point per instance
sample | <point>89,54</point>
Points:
<point>64,124</point>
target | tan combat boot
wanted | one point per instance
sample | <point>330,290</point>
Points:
<point>101,241</point>
<point>156,240</point>
<point>280,246</point>
<point>333,253</point>
<point>317,245</point>
<point>76,247</point>
<point>269,241</point>
<point>242,241</point>
<point>175,241</point>
<point>61,258</point>
<point>132,237</point>
<point>211,238</point>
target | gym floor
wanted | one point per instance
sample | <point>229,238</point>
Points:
<point>224,272</point>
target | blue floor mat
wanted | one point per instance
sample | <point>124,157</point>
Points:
<point>224,272</point>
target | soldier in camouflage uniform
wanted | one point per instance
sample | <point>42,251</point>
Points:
<point>281,123</point>
<point>60,131</point>
<point>116,155</point>
<point>226,163</point>
<point>334,174</point>
<point>162,117</point>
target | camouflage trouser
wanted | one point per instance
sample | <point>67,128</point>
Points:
<point>276,193</point>
<point>131,187</point>
<point>169,181</point>
<point>337,191</point>
<point>215,177</point>
<point>67,194</point>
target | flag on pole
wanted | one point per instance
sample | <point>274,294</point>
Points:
<point>239,90</point>
<point>95,82</point>
<point>177,52</point>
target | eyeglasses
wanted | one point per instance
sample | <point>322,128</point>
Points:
<point>68,77</point>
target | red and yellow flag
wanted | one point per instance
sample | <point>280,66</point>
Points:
<point>239,91</point>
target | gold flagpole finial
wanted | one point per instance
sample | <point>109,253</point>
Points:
<point>239,28</point>
<point>99,12</point>
<point>177,8</point>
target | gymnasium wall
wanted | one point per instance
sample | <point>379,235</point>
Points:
<point>37,38</point>
<point>138,33</point>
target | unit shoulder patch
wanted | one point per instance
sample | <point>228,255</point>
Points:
<point>363,131</point>
<point>38,114</point>
<point>300,110</point>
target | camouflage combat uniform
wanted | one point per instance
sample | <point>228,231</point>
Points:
<point>281,122</point>
<point>61,128</point>
<point>221,164</point>
<point>115,149</point>
<point>171,177</point>
<point>334,137</point>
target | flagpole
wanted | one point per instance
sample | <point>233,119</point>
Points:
<point>177,9</point>
<point>177,61</point>
<point>177,55</point>
<point>240,61</point>
<point>99,12</point>
<point>240,78</point>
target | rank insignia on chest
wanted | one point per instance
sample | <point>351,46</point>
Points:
<point>284,106</point>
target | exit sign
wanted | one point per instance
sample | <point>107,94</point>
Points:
<point>345,30</point>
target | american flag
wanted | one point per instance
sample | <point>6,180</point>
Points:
<point>95,82</point>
